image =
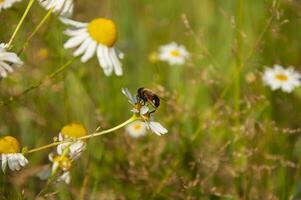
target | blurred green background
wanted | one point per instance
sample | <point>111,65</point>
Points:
<point>229,136</point>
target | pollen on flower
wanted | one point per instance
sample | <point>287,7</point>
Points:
<point>281,77</point>
<point>74,130</point>
<point>103,31</point>
<point>9,144</point>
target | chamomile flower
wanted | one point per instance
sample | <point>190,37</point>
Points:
<point>280,78</point>
<point>62,7</point>
<point>10,154</point>
<point>5,4</point>
<point>136,129</point>
<point>61,164</point>
<point>143,112</point>
<point>96,37</point>
<point>8,60</point>
<point>72,132</point>
<point>173,53</point>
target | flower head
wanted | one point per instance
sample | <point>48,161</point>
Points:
<point>5,4</point>
<point>143,112</point>
<point>72,132</point>
<point>173,53</point>
<point>8,60</point>
<point>279,78</point>
<point>62,163</point>
<point>62,7</point>
<point>10,154</point>
<point>96,37</point>
<point>136,129</point>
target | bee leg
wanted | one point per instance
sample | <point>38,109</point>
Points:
<point>153,111</point>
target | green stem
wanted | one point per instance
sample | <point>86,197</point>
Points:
<point>130,120</point>
<point>20,22</point>
<point>38,84</point>
<point>37,28</point>
<point>239,20</point>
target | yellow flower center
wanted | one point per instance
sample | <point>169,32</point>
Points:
<point>175,53</point>
<point>64,162</point>
<point>74,130</point>
<point>103,31</point>
<point>281,77</point>
<point>9,144</point>
<point>1,1</point>
<point>137,127</point>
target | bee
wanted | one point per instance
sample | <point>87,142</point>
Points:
<point>145,95</point>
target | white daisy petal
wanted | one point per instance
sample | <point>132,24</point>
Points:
<point>89,52</point>
<point>73,23</point>
<point>157,128</point>
<point>62,7</point>
<point>83,47</point>
<point>131,98</point>
<point>5,4</point>
<point>75,41</point>
<point>8,60</point>
<point>117,64</point>
<point>4,162</point>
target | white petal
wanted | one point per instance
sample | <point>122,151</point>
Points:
<point>157,128</point>
<point>75,41</point>
<point>117,64</point>
<point>89,52</point>
<point>73,23</point>
<point>4,162</point>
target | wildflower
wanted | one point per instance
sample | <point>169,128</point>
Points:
<point>279,78</point>
<point>10,154</point>
<point>136,129</point>
<point>62,163</point>
<point>173,53</point>
<point>72,132</point>
<point>8,60</point>
<point>62,7</point>
<point>143,112</point>
<point>97,36</point>
<point>5,4</point>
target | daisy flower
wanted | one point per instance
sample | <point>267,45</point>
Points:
<point>280,78</point>
<point>144,113</point>
<point>72,132</point>
<point>62,7</point>
<point>136,129</point>
<point>8,60</point>
<point>5,4</point>
<point>10,154</point>
<point>173,53</point>
<point>96,37</point>
<point>62,163</point>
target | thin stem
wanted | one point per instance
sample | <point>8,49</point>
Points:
<point>133,118</point>
<point>37,28</point>
<point>38,84</point>
<point>21,22</point>
<point>239,64</point>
